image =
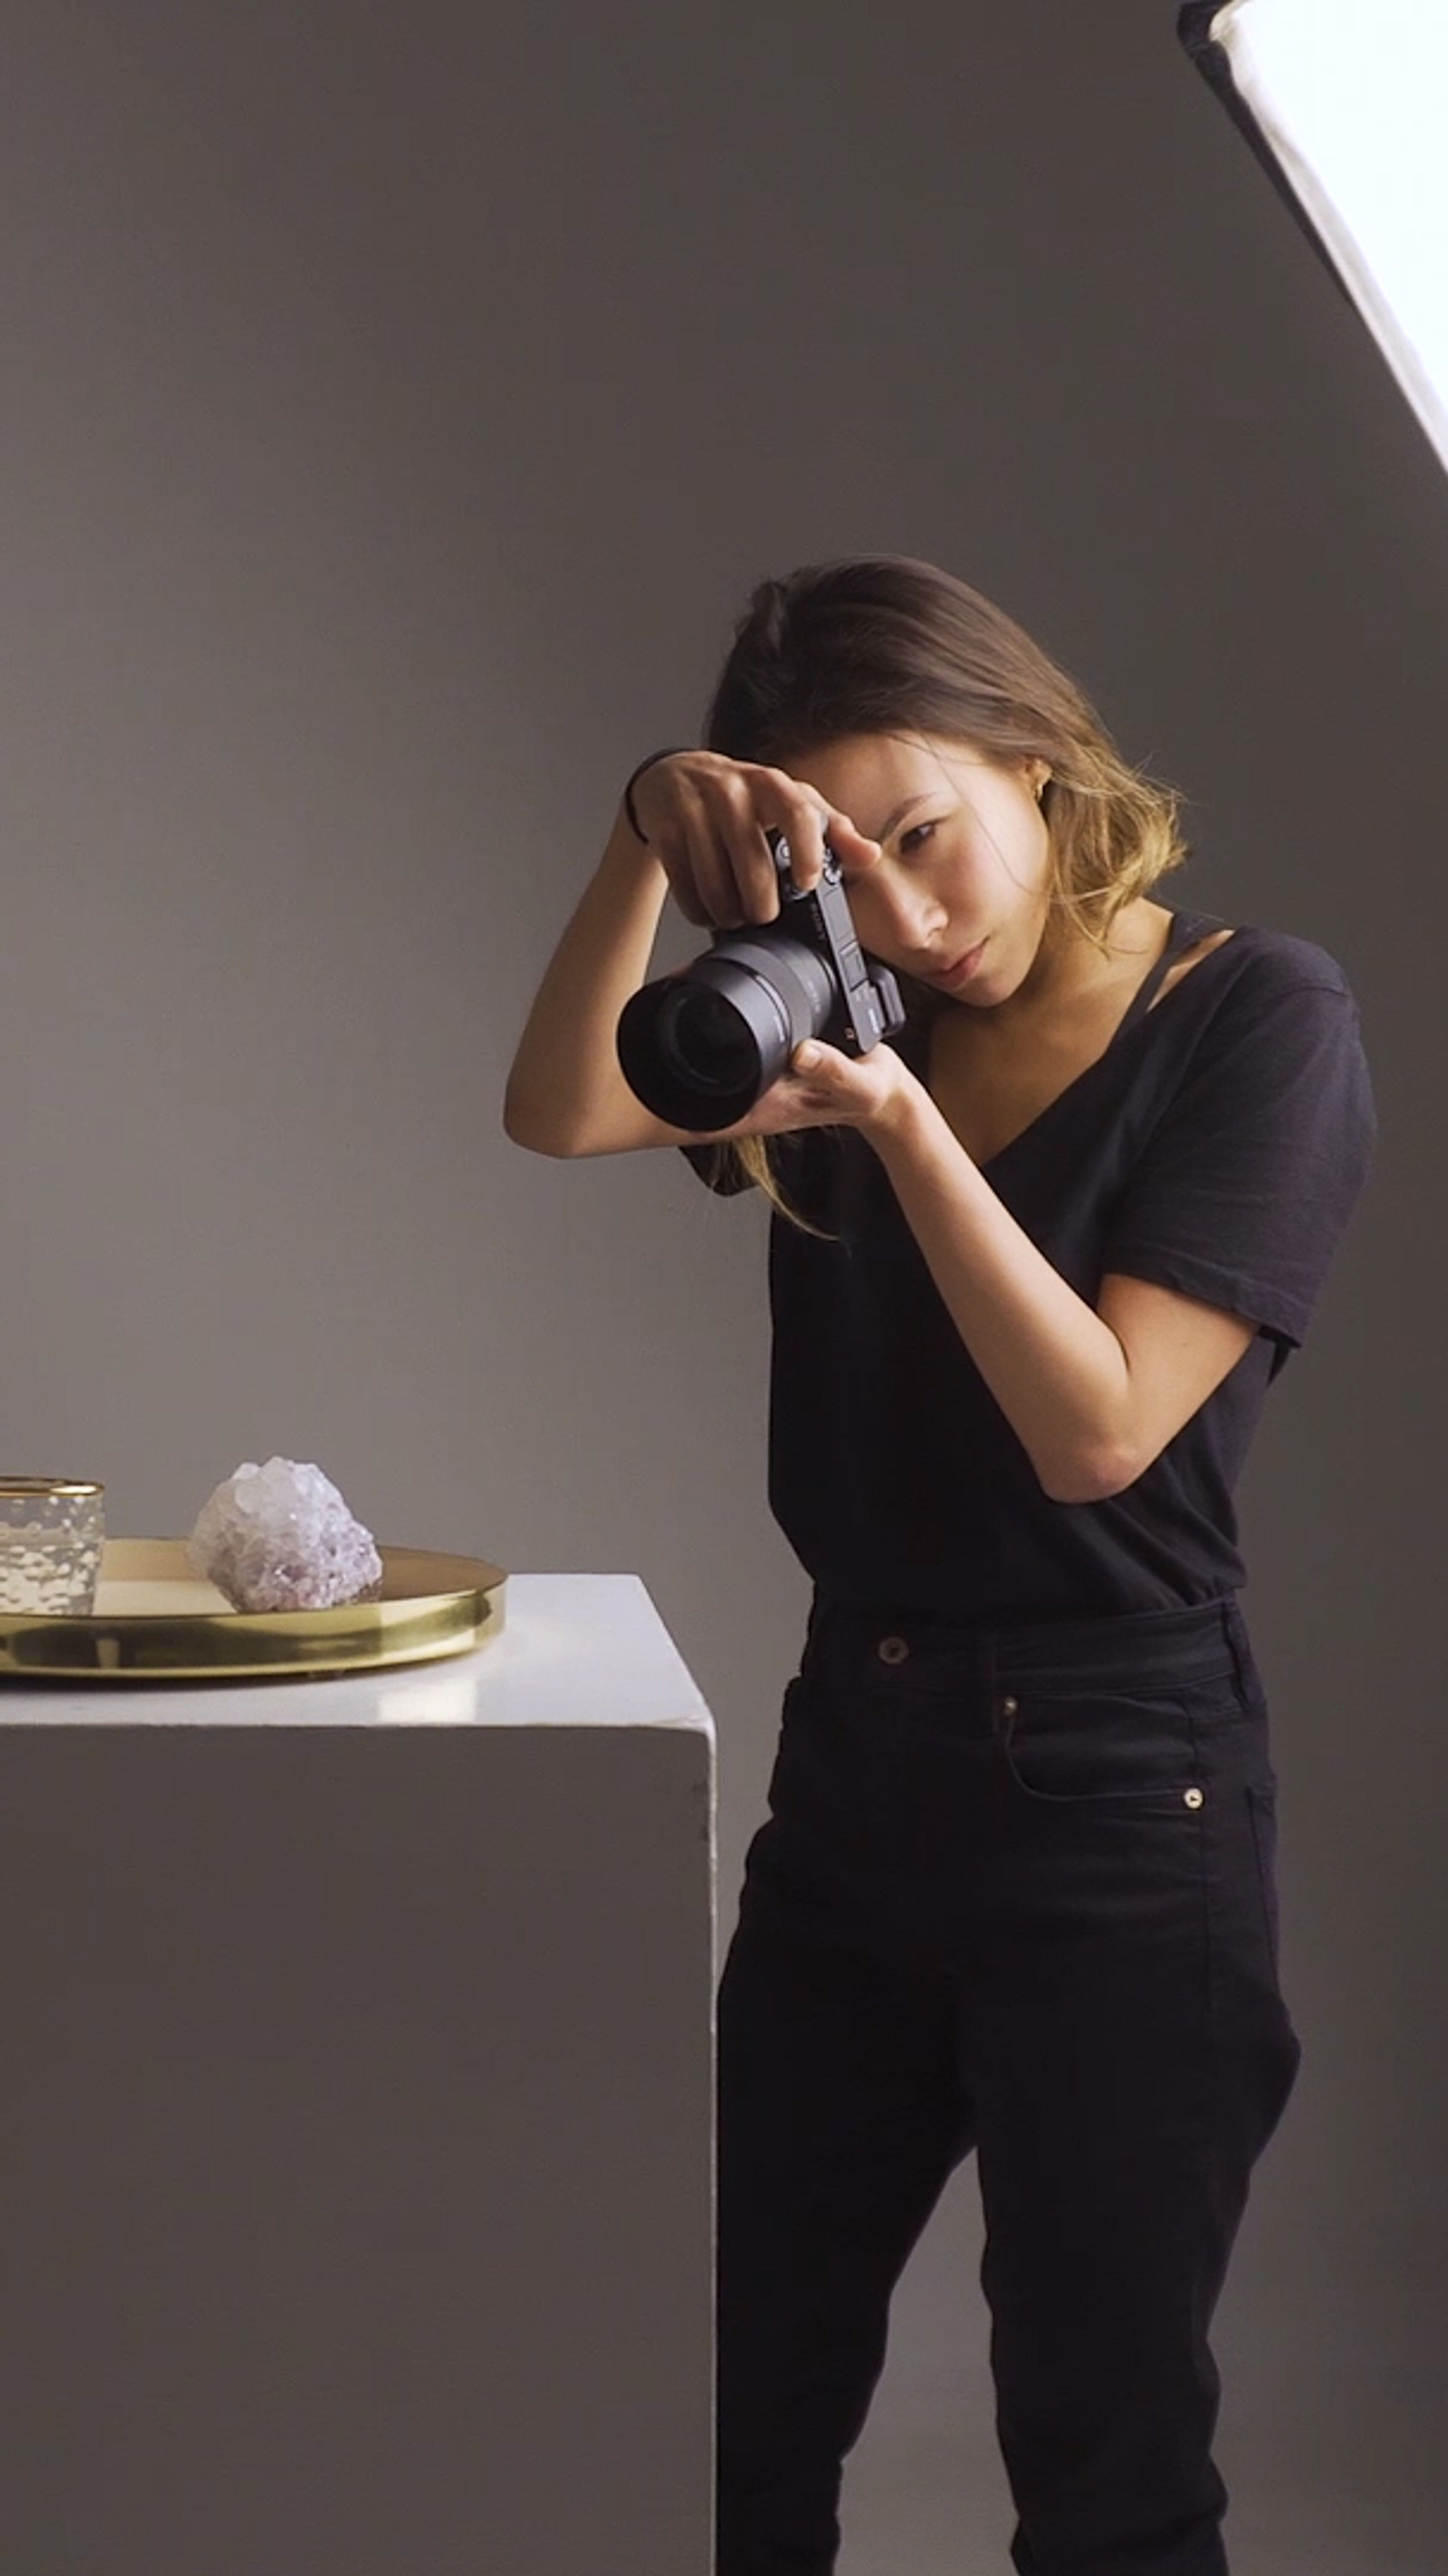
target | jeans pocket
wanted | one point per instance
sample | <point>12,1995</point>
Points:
<point>1100,1750</point>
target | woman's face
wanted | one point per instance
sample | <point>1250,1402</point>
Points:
<point>963,873</point>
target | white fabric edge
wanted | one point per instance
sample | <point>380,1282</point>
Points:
<point>1232,31</point>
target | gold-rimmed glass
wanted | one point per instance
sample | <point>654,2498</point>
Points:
<point>52,1529</point>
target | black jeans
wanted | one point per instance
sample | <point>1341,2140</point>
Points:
<point>1016,1893</point>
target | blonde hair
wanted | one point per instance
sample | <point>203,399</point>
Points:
<point>883,644</point>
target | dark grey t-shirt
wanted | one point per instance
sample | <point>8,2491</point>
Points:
<point>1217,1146</point>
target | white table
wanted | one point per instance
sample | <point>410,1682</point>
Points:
<point>356,2170</point>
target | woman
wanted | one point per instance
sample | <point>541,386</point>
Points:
<point>1033,1264</point>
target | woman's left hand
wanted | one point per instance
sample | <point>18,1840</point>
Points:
<point>824,1088</point>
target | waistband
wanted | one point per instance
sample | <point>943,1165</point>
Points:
<point>1194,1643</point>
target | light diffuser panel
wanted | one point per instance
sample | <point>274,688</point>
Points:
<point>1349,98</point>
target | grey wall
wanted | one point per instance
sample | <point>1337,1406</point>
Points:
<point>398,407</point>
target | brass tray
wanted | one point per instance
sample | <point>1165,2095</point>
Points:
<point>155,1621</point>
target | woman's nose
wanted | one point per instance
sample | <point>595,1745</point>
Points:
<point>909,916</point>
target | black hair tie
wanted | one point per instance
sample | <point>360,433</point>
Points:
<point>628,804</point>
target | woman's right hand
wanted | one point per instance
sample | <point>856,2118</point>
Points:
<point>705,817</point>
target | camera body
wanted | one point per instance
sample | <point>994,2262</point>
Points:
<point>700,1048</point>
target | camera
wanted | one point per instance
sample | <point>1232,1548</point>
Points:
<point>701,1047</point>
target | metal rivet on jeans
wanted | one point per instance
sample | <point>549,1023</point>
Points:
<point>892,1650</point>
<point>1009,1707</point>
<point>1193,1797</point>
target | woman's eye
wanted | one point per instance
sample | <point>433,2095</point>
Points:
<point>917,832</point>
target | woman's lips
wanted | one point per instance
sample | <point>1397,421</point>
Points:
<point>963,966</point>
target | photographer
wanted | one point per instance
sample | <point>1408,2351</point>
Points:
<point>1035,1257</point>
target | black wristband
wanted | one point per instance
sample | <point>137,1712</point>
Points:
<point>628,804</point>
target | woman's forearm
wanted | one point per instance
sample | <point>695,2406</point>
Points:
<point>1056,1370</point>
<point>565,1074</point>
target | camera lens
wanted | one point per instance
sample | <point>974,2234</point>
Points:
<point>704,1041</point>
<point>699,1048</point>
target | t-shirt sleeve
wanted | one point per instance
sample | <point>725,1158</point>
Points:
<point>1244,1190</point>
<point>803,1162</point>
<point>719,1168</point>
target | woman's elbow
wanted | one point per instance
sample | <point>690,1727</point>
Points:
<point>1092,1479</point>
<point>534,1138</point>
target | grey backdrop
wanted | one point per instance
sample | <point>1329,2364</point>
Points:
<point>399,404</point>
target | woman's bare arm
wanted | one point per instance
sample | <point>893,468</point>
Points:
<point>566,1093</point>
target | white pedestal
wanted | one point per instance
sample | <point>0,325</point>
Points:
<point>356,2170</point>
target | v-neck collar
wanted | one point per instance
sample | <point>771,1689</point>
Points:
<point>1186,929</point>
